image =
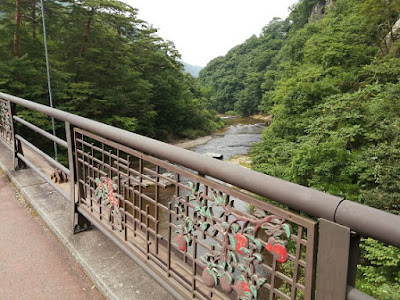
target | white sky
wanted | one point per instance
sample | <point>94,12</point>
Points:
<point>204,29</point>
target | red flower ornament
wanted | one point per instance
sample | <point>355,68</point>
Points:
<point>280,252</point>
<point>180,240</point>
<point>271,242</point>
<point>241,241</point>
<point>111,197</point>
<point>241,287</point>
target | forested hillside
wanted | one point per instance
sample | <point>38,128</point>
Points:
<point>191,69</point>
<point>106,64</point>
<point>329,75</point>
<point>237,79</point>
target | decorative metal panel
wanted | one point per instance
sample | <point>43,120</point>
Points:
<point>6,126</point>
<point>204,237</point>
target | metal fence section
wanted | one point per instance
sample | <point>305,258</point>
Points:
<point>206,239</point>
<point>196,224</point>
<point>6,124</point>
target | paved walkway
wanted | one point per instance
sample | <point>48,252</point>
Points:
<point>33,264</point>
<point>115,274</point>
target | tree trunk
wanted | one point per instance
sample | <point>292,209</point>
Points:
<point>33,16</point>
<point>87,32</point>
<point>17,25</point>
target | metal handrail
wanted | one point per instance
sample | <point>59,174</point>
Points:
<point>50,160</point>
<point>42,132</point>
<point>367,221</point>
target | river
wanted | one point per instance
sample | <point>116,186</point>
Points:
<point>235,139</point>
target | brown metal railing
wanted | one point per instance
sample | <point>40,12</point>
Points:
<point>176,214</point>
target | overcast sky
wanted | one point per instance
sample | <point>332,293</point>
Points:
<point>204,29</point>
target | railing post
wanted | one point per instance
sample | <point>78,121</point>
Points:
<point>79,222</point>
<point>354,254</point>
<point>17,145</point>
<point>332,261</point>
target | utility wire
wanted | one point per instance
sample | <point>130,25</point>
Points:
<point>48,77</point>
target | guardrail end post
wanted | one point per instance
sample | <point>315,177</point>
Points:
<point>333,260</point>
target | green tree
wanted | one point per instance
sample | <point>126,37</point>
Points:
<point>106,64</point>
<point>334,99</point>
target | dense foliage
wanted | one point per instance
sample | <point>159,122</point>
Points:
<point>334,92</point>
<point>237,79</point>
<point>106,64</point>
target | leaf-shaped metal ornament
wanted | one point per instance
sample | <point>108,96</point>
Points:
<point>258,257</point>
<point>232,241</point>
<point>287,229</point>
<point>259,213</point>
<point>253,291</point>
<point>235,228</point>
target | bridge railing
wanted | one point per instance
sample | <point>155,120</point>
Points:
<point>196,224</point>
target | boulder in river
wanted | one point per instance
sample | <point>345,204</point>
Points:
<point>215,155</point>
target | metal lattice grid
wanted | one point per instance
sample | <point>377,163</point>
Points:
<point>189,228</point>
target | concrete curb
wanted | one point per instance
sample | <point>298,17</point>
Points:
<point>115,275</point>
